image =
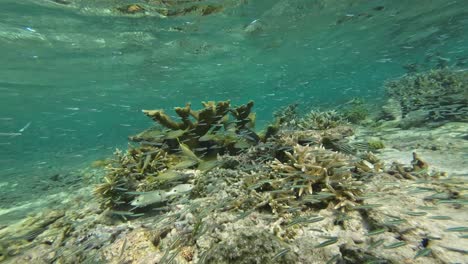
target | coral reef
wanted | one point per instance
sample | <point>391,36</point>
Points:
<point>217,128</point>
<point>321,173</point>
<point>298,196</point>
<point>356,111</point>
<point>159,164</point>
<point>131,9</point>
<point>437,97</point>
<point>173,8</point>
<point>322,120</point>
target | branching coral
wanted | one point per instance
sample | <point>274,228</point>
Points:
<point>155,165</point>
<point>216,128</point>
<point>322,120</point>
<point>132,171</point>
<point>314,170</point>
<point>437,95</point>
<point>356,111</point>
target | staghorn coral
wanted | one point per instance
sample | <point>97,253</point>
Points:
<point>287,116</point>
<point>356,111</point>
<point>314,170</point>
<point>173,8</point>
<point>322,120</point>
<point>435,96</point>
<point>157,164</point>
<point>216,128</point>
<point>135,170</point>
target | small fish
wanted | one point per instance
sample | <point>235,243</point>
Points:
<point>145,163</point>
<point>395,245</point>
<point>367,206</point>
<point>281,253</point>
<point>440,217</point>
<point>187,152</point>
<point>243,215</point>
<point>207,137</point>
<point>328,242</point>
<point>464,202</point>
<point>376,244</point>
<point>285,198</point>
<point>184,164</point>
<point>200,149</point>
<point>457,229</point>
<point>377,231</point>
<point>333,259</point>
<point>25,127</point>
<point>242,144</point>
<point>463,251</point>
<point>208,165</point>
<point>427,207</point>
<point>279,191</point>
<point>10,134</point>
<point>323,195</point>
<point>413,213</point>
<point>175,134</point>
<point>172,257</point>
<point>159,195</point>
<point>423,252</point>
<point>294,209</point>
<point>126,213</point>
<point>298,186</point>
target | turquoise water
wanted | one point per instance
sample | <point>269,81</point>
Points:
<point>79,73</point>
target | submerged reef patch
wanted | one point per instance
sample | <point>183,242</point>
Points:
<point>322,120</point>
<point>159,164</point>
<point>435,97</point>
<point>298,195</point>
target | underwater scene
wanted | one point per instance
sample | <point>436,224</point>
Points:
<point>234,131</point>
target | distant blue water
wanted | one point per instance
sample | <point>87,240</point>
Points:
<point>81,73</point>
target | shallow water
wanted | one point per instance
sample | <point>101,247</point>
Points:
<point>79,73</point>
